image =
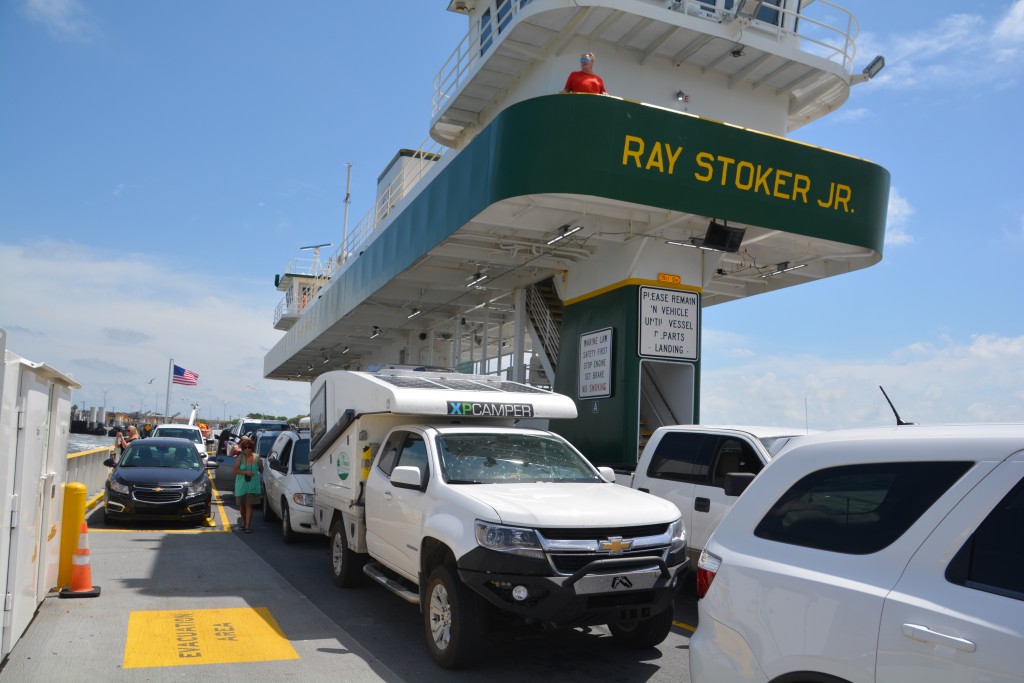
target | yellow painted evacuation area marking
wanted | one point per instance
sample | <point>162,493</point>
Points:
<point>204,636</point>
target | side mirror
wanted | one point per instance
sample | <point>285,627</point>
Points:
<point>407,477</point>
<point>607,473</point>
<point>212,464</point>
<point>737,482</point>
<point>109,462</point>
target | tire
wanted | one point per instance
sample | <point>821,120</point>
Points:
<point>287,534</point>
<point>454,620</point>
<point>268,512</point>
<point>346,564</point>
<point>644,633</point>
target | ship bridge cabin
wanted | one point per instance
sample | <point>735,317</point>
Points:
<point>572,240</point>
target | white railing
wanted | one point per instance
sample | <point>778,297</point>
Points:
<point>483,36</point>
<point>86,467</point>
<point>366,228</point>
<point>820,32</point>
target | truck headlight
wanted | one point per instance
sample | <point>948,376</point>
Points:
<point>509,539</point>
<point>677,534</point>
<point>305,499</point>
<point>117,486</point>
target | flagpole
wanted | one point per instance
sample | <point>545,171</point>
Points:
<point>167,403</point>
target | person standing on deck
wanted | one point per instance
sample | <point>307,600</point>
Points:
<point>585,80</point>
<point>248,468</point>
<point>122,441</point>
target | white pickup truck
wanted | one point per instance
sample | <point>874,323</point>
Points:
<point>424,483</point>
<point>703,469</point>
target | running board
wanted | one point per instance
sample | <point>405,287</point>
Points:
<point>376,572</point>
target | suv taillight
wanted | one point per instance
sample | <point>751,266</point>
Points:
<point>707,567</point>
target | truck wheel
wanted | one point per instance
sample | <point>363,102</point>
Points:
<point>346,564</point>
<point>268,512</point>
<point>644,633</point>
<point>287,534</point>
<point>454,620</point>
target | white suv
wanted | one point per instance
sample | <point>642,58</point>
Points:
<point>190,432</point>
<point>288,485</point>
<point>872,555</point>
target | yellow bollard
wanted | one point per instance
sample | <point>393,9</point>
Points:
<point>71,525</point>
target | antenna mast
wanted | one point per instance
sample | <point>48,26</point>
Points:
<point>344,228</point>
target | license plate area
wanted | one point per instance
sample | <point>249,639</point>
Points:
<point>617,582</point>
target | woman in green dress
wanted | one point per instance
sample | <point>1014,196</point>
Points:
<point>248,468</point>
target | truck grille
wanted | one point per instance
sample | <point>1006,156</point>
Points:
<point>569,550</point>
<point>569,563</point>
<point>602,534</point>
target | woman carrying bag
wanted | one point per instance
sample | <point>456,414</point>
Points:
<point>248,468</point>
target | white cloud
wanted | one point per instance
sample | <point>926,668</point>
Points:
<point>950,51</point>
<point>929,382</point>
<point>64,19</point>
<point>899,213</point>
<point>855,114</point>
<point>1011,28</point>
<point>113,320</point>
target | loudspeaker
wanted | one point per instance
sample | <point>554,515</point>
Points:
<point>723,238</point>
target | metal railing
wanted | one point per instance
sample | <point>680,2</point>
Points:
<point>366,228</point>
<point>820,32</point>
<point>86,467</point>
<point>547,329</point>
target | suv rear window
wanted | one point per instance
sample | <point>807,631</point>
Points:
<point>857,509</point>
<point>992,559</point>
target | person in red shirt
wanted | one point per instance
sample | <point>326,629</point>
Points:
<point>585,80</point>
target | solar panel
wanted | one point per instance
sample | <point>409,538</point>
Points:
<point>454,383</point>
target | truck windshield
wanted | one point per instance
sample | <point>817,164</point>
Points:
<point>510,459</point>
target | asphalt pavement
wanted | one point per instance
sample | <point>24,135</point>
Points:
<point>245,606</point>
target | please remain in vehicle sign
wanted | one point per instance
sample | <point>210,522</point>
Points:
<point>204,636</point>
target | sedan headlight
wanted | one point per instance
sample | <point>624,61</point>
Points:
<point>199,487</point>
<point>509,539</point>
<point>117,486</point>
<point>303,499</point>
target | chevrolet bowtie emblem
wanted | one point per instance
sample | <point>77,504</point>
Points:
<point>616,546</point>
<point>158,489</point>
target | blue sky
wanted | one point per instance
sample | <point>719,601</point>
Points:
<point>160,162</point>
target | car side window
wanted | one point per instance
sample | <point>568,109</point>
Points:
<point>414,453</point>
<point>389,453</point>
<point>992,559</point>
<point>857,509</point>
<point>286,452</point>
<point>682,456</point>
<point>734,455</point>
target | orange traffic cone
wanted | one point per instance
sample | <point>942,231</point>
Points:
<point>81,575</point>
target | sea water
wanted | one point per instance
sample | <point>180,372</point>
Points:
<point>85,442</point>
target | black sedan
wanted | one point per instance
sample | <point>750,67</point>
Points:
<point>159,479</point>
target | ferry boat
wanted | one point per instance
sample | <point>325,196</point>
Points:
<point>572,240</point>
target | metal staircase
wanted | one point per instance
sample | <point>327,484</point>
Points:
<point>544,311</point>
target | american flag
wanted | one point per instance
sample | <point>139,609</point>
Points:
<point>183,376</point>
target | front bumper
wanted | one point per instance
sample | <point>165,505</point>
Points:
<point>609,590</point>
<point>126,506</point>
<point>302,519</point>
